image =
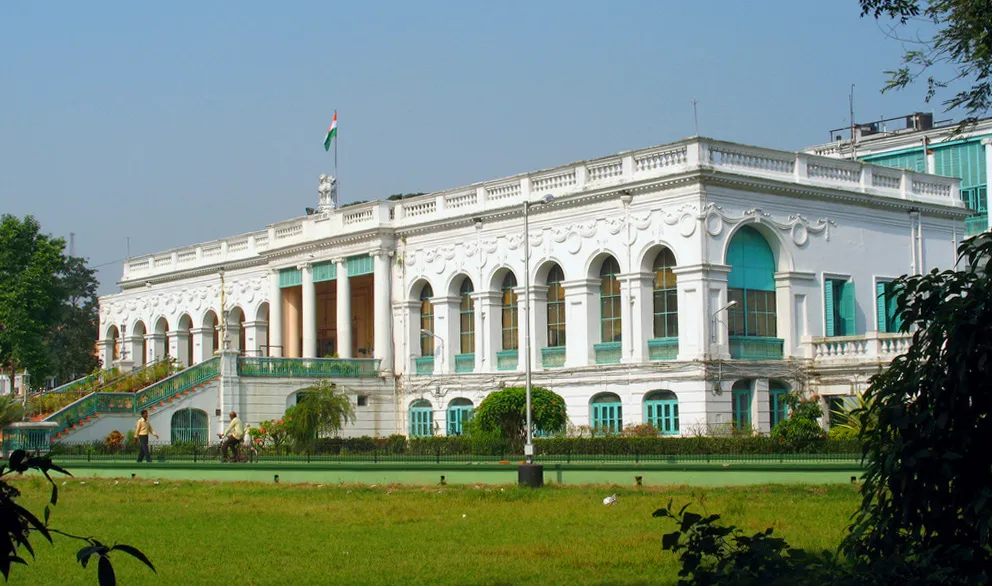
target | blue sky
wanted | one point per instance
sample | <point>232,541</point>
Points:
<point>180,122</point>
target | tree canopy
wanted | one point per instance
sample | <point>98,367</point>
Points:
<point>321,410</point>
<point>505,412</point>
<point>952,33</point>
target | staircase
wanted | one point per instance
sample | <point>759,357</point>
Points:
<point>88,408</point>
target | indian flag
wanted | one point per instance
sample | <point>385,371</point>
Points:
<point>331,132</point>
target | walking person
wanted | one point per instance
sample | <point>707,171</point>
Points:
<point>231,436</point>
<point>141,431</point>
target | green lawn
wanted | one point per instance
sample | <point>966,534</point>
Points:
<point>252,533</point>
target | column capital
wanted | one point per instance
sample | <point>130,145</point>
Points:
<point>305,266</point>
<point>446,300</point>
<point>576,284</point>
<point>703,269</point>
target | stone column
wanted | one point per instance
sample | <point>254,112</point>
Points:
<point>203,344</point>
<point>489,337</point>
<point>539,324</point>
<point>702,290</point>
<point>135,349</point>
<point>446,327</point>
<point>233,337</point>
<point>256,334</point>
<point>344,310</point>
<point>309,312</point>
<point>410,311</point>
<point>179,346</point>
<point>155,347</point>
<point>481,346</point>
<point>275,316</point>
<point>633,341</point>
<point>581,321</point>
<point>788,324</point>
<point>641,287</point>
<point>291,338</point>
<point>383,328</point>
<point>106,353</point>
<point>761,417</point>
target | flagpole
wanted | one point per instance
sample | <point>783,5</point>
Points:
<point>336,152</point>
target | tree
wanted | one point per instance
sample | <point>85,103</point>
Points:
<point>801,430</point>
<point>962,40</point>
<point>71,343</point>
<point>30,294</point>
<point>11,410</point>
<point>926,509</point>
<point>505,412</point>
<point>321,410</point>
<point>928,480</point>
<point>17,523</point>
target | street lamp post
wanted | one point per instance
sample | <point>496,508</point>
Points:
<point>440,344</point>
<point>529,446</point>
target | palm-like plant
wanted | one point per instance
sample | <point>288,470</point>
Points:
<point>11,410</point>
<point>322,410</point>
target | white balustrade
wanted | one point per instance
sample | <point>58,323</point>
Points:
<point>600,174</point>
<point>869,347</point>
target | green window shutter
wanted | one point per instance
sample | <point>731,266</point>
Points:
<point>290,278</point>
<point>847,308</point>
<point>360,265</point>
<point>895,323</point>
<point>324,271</point>
<point>828,307</point>
<point>882,306</point>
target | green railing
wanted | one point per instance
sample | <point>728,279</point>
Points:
<point>608,353</point>
<point>308,367</point>
<point>89,406</point>
<point>553,357</point>
<point>177,383</point>
<point>424,364</point>
<point>507,360</point>
<point>756,348</point>
<point>72,386</point>
<point>976,224</point>
<point>31,440</point>
<point>464,362</point>
<point>663,349</point>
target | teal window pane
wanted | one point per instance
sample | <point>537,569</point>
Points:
<point>666,306</point>
<point>290,278</point>
<point>459,412</point>
<point>741,399</point>
<point>609,298</point>
<point>839,307</point>
<point>607,413</point>
<point>421,419</point>
<point>324,271</point>
<point>466,317</point>
<point>777,405</point>
<point>556,308</point>
<point>426,321</point>
<point>751,284</point>
<point>359,265</point>
<point>509,315</point>
<point>661,410</point>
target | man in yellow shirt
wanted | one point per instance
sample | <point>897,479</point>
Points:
<point>232,436</point>
<point>141,431</point>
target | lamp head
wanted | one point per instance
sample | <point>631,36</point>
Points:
<point>547,198</point>
<point>731,304</point>
<point>426,332</point>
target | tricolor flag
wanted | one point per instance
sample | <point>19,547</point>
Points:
<point>331,132</point>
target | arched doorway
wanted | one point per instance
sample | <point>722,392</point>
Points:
<point>190,426</point>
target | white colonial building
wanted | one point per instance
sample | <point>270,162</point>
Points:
<point>686,285</point>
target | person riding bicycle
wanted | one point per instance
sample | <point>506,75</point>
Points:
<point>231,437</point>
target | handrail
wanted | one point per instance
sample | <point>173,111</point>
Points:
<point>177,383</point>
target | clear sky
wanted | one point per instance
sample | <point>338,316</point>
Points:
<point>179,122</point>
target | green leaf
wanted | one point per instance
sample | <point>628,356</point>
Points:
<point>670,540</point>
<point>690,519</point>
<point>105,571</point>
<point>134,552</point>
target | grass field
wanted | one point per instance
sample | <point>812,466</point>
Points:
<point>252,533</point>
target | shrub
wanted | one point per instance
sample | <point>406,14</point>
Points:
<point>800,431</point>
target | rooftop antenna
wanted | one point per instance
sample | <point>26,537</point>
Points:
<point>695,115</point>
<point>854,140</point>
<point>72,244</point>
<point>127,247</point>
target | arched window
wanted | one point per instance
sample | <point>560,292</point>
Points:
<point>556,308</point>
<point>509,323</point>
<point>666,300</point>
<point>741,398</point>
<point>426,321</point>
<point>609,301</point>
<point>777,406</point>
<point>661,410</point>
<point>751,283</point>
<point>607,413</point>
<point>189,426</point>
<point>421,419</point>
<point>459,411</point>
<point>466,314</point>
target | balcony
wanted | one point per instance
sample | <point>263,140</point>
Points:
<point>976,224</point>
<point>308,367</point>
<point>608,353</point>
<point>756,348</point>
<point>871,346</point>
<point>553,357</point>
<point>464,362</point>
<point>506,360</point>
<point>423,365</point>
<point>663,349</point>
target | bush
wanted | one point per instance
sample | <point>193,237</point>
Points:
<point>801,432</point>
